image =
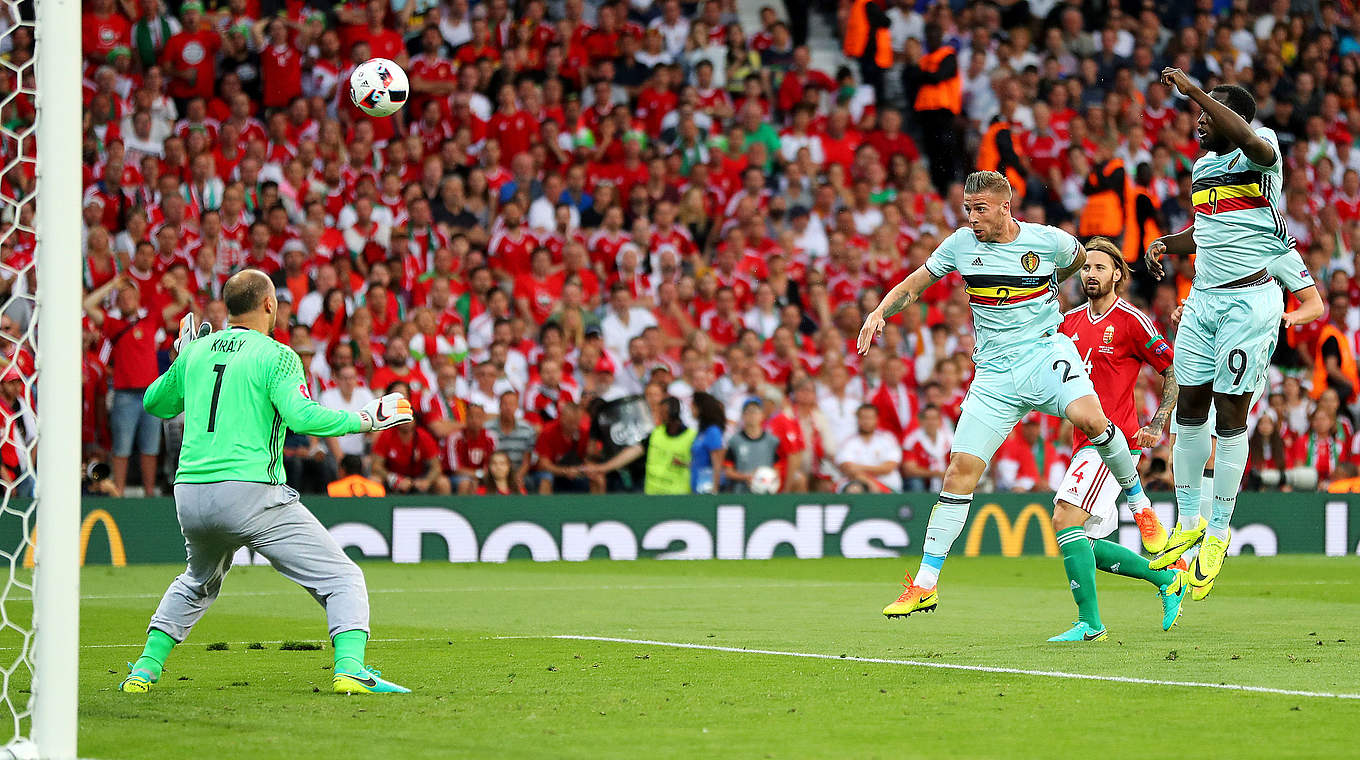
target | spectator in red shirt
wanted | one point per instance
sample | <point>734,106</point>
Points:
<point>800,77</point>
<point>514,129</point>
<point>398,368</point>
<point>926,451</point>
<point>383,41</point>
<point>479,47</point>
<point>1024,460</point>
<point>406,459</point>
<point>280,66</point>
<point>537,291</point>
<point>190,57</point>
<point>889,139</point>
<point>103,28</point>
<point>133,332</point>
<point>561,451</point>
<point>16,433</point>
<point>1314,454</point>
<point>468,450</point>
<point>1268,453</point>
<point>896,403</point>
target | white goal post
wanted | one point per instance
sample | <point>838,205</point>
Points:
<point>56,594</point>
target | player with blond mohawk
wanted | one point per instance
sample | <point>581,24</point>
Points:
<point>239,391</point>
<point>1011,270</point>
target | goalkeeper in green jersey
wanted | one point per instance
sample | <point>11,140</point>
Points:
<point>239,390</point>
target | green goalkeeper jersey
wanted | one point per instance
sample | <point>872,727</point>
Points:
<point>239,390</point>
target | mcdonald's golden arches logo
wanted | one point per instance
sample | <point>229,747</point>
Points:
<point>1012,534</point>
<point>117,555</point>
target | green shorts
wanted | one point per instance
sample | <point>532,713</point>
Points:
<point>1046,377</point>
<point>1226,337</point>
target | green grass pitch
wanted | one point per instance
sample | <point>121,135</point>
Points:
<point>474,643</point>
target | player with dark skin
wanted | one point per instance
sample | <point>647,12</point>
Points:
<point>1220,130</point>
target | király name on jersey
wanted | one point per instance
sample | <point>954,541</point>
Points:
<point>227,345</point>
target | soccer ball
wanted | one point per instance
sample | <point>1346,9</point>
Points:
<point>765,480</point>
<point>379,87</point>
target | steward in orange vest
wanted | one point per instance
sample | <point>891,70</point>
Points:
<point>1331,344</point>
<point>867,39</point>
<point>1105,190</point>
<point>939,101</point>
<point>1345,480</point>
<point>1142,212</point>
<point>1000,152</point>
<point>941,87</point>
<point>352,481</point>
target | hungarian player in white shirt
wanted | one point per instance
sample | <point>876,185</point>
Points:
<point>1115,340</point>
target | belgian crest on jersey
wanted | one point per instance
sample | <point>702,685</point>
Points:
<point>1030,261</point>
<point>1109,334</point>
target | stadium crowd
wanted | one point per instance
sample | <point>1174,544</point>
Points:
<point>629,245</point>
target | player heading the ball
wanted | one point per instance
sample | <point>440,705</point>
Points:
<point>1011,270</point>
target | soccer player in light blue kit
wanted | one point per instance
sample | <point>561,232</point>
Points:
<point>1024,363</point>
<point>1232,317</point>
<point>1290,271</point>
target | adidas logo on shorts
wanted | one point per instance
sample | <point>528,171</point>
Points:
<point>1114,568</point>
<point>1075,585</point>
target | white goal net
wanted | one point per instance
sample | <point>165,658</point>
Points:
<point>40,372</point>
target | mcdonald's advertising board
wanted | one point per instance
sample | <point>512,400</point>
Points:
<point>724,526</point>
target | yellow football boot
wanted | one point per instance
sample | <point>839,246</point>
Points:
<point>1207,566</point>
<point>1180,542</point>
<point>914,599</point>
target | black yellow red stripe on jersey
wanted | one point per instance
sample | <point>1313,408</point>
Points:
<point>1234,191</point>
<point>1003,290</point>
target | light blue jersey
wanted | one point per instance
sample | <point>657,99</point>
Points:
<point>1011,287</point>
<point>1291,272</point>
<point>1239,227</point>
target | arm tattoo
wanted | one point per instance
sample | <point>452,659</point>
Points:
<point>1170,390</point>
<point>898,304</point>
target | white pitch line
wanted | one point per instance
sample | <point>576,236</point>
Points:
<point>227,593</point>
<point>971,668</point>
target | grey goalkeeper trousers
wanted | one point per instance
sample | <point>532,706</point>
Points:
<point>219,518</point>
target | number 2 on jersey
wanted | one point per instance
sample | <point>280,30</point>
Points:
<point>219,370</point>
<point>1066,370</point>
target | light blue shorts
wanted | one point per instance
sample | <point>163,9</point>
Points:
<point>1226,337</point>
<point>1046,377</point>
